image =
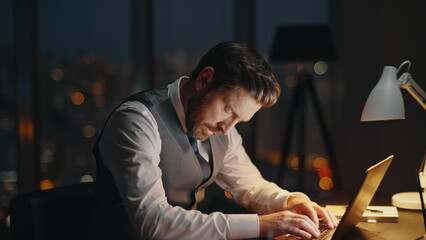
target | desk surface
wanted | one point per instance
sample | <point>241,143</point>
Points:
<point>410,225</point>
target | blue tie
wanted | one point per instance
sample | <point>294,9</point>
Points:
<point>205,166</point>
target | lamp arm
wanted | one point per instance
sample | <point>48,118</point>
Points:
<point>407,82</point>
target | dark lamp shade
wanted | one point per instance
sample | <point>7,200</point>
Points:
<point>302,43</point>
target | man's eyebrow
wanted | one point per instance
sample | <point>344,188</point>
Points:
<point>236,114</point>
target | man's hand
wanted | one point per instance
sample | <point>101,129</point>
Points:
<point>312,210</point>
<point>301,219</point>
<point>285,222</point>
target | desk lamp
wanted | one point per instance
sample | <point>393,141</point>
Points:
<point>385,103</point>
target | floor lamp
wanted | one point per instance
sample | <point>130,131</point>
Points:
<point>303,44</point>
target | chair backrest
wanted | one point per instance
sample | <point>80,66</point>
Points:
<point>59,213</point>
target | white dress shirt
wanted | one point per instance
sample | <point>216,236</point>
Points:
<point>131,147</point>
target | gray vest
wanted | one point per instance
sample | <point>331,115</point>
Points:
<point>181,172</point>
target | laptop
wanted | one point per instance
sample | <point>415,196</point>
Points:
<point>371,181</point>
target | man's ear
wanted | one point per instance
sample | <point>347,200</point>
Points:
<point>204,79</point>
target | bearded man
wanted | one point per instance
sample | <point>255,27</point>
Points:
<point>162,147</point>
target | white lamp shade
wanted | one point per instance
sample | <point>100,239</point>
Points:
<point>385,101</point>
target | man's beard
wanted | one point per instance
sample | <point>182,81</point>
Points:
<point>196,130</point>
<point>196,112</point>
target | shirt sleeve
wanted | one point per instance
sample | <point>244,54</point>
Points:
<point>130,147</point>
<point>243,180</point>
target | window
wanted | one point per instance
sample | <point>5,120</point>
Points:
<point>85,71</point>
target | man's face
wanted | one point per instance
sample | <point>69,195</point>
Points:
<point>217,112</point>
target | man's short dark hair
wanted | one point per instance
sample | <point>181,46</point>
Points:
<point>238,65</point>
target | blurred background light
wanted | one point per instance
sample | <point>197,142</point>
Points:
<point>320,162</point>
<point>326,183</point>
<point>77,98</point>
<point>86,178</point>
<point>320,67</point>
<point>46,184</point>
<point>57,74</point>
<point>294,162</point>
<point>88,131</point>
<point>324,172</point>
<point>228,195</point>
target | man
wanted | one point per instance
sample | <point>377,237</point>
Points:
<point>160,148</point>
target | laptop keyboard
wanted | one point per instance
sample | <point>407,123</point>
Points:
<point>326,234</point>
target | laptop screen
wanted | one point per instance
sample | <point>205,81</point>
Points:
<point>372,179</point>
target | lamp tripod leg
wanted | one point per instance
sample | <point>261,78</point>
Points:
<point>324,132</point>
<point>288,133</point>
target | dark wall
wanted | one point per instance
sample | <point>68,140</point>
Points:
<point>370,35</point>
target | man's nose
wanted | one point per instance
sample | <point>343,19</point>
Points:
<point>227,125</point>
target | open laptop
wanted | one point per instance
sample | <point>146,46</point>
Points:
<point>372,179</point>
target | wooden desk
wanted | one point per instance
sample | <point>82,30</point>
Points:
<point>409,227</point>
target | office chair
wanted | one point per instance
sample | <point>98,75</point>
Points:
<point>59,213</point>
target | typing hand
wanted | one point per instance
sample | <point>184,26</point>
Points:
<point>312,210</point>
<point>286,222</point>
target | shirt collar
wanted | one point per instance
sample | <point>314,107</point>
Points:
<point>174,95</point>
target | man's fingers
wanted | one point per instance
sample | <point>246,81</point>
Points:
<point>312,214</point>
<point>333,220</point>
<point>327,216</point>
<point>301,225</point>
<point>289,222</point>
<point>301,233</point>
<point>313,211</point>
<point>310,226</point>
<point>308,210</point>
